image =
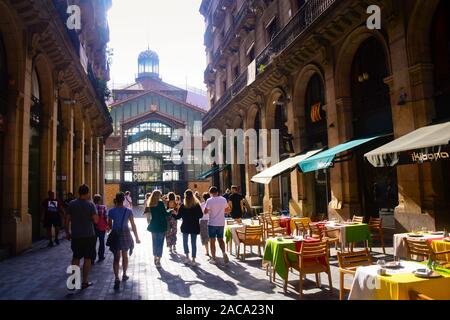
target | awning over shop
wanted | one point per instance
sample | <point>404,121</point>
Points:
<point>326,158</point>
<point>212,171</point>
<point>426,144</point>
<point>284,166</point>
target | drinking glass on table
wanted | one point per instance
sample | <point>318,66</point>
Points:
<point>381,262</point>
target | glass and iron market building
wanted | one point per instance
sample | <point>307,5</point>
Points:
<point>139,154</point>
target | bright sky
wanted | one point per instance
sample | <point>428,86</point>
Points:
<point>172,28</point>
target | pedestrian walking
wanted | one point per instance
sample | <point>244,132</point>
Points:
<point>80,219</point>
<point>204,238</point>
<point>191,212</point>
<point>171,235</point>
<point>121,240</point>
<point>236,203</point>
<point>158,225</point>
<point>216,207</point>
<point>128,202</point>
<point>51,217</point>
<point>101,227</point>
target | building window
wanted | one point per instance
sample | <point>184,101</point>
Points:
<point>112,166</point>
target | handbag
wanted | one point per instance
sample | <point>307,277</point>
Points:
<point>113,238</point>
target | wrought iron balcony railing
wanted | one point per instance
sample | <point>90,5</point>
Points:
<point>299,24</point>
<point>304,18</point>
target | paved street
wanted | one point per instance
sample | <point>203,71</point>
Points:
<point>40,274</point>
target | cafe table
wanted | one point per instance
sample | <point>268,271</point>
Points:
<point>350,232</point>
<point>231,235</point>
<point>274,254</point>
<point>368,285</point>
<point>285,222</point>
<point>436,240</point>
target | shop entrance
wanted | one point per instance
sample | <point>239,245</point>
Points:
<point>372,116</point>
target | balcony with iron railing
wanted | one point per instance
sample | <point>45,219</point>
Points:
<point>239,21</point>
<point>300,23</point>
<point>297,26</point>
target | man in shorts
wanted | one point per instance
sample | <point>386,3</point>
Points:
<point>216,207</point>
<point>80,219</point>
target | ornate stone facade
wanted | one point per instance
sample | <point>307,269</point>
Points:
<point>53,108</point>
<point>291,42</point>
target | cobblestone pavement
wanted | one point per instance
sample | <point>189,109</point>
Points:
<point>40,274</point>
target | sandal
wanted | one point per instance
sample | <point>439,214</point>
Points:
<point>125,278</point>
<point>86,285</point>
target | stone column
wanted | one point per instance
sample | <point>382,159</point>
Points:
<point>272,200</point>
<point>16,222</point>
<point>48,147</point>
<point>88,157</point>
<point>250,170</point>
<point>101,167</point>
<point>95,159</point>
<point>79,155</point>
<point>415,186</point>
<point>67,147</point>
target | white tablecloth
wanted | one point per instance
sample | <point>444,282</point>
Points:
<point>365,280</point>
<point>235,227</point>
<point>400,247</point>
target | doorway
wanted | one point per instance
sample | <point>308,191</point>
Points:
<point>372,115</point>
<point>3,107</point>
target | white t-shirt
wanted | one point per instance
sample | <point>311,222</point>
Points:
<point>216,211</point>
<point>205,216</point>
<point>128,202</point>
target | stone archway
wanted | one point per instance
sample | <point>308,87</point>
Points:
<point>253,190</point>
<point>418,32</point>
<point>344,186</point>
<point>14,165</point>
<point>274,116</point>
<point>310,190</point>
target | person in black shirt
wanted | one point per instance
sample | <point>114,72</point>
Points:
<point>227,194</point>
<point>235,200</point>
<point>191,213</point>
<point>51,209</point>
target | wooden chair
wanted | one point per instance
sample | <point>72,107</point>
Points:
<point>300,227</point>
<point>358,219</point>
<point>348,262</point>
<point>422,248</point>
<point>274,227</point>
<point>251,236</point>
<point>308,262</point>
<point>262,222</point>
<point>414,295</point>
<point>376,231</point>
<point>315,231</point>
<point>324,234</point>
